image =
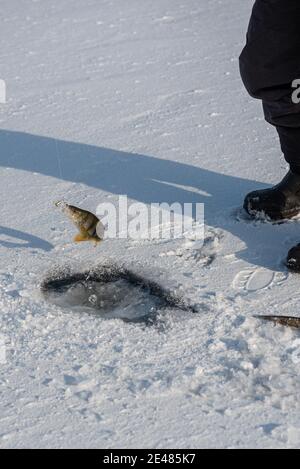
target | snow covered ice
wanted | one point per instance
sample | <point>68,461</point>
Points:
<point>106,98</point>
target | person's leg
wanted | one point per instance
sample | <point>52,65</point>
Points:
<point>269,64</point>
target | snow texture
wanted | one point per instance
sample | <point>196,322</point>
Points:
<point>106,97</point>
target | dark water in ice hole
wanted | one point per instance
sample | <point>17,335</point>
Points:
<point>111,292</point>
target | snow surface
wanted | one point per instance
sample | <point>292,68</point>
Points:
<point>140,98</point>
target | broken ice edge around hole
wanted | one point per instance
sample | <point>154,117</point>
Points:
<point>62,280</point>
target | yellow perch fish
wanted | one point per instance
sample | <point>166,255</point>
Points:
<point>287,321</point>
<point>89,226</point>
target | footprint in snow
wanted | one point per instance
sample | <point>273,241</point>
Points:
<point>253,280</point>
<point>202,252</point>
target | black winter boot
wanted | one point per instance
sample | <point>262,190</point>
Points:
<point>277,203</point>
<point>293,259</point>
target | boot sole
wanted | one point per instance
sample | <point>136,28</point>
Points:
<point>274,216</point>
<point>292,268</point>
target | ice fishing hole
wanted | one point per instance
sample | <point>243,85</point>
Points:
<point>111,292</point>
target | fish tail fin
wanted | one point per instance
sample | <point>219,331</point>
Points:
<point>79,238</point>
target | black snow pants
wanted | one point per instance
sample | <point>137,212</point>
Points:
<point>269,64</point>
